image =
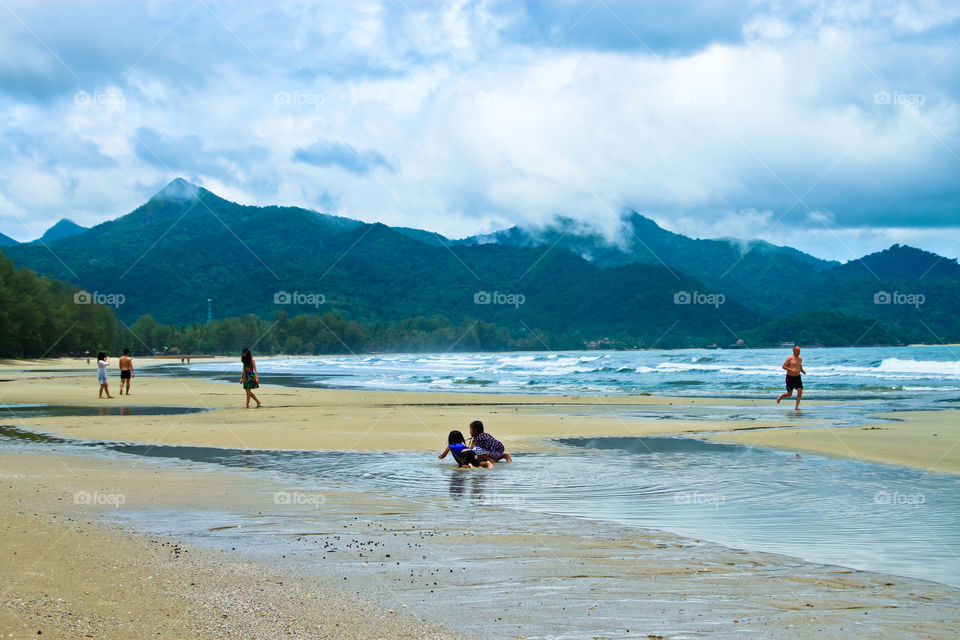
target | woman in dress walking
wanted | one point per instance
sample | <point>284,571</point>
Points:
<point>249,378</point>
<point>102,361</point>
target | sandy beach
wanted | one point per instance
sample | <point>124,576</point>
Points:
<point>303,418</point>
<point>927,440</point>
<point>68,575</point>
<point>68,563</point>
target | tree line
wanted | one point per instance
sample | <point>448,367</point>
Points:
<point>45,317</point>
<point>330,333</point>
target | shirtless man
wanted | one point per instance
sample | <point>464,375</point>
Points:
<point>126,370</point>
<point>794,367</point>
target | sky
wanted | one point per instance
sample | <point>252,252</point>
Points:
<point>832,127</point>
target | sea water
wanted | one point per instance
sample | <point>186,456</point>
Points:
<point>865,516</point>
<point>832,373</point>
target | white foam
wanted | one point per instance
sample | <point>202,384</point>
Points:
<point>934,367</point>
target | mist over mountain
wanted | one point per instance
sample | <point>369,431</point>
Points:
<point>186,245</point>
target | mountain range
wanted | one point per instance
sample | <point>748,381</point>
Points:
<point>649,287</point>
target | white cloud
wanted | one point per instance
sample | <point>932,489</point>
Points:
<point>769,135</point>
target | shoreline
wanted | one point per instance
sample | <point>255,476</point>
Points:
<point>329,419</point>
<point>302,418</point>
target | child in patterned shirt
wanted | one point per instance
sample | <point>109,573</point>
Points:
<point>485,445</point>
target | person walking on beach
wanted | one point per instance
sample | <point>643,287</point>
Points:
<point>793,367</point>
<point>126,370</point>
<point>249,378</point>
<point>102,361</point>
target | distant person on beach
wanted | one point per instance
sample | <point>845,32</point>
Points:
<point>464,456</point>
<point>102,361</point>
<point>126,370</point>
<point>793,367</point>
<point>249,378</point>
<point>485,445</point>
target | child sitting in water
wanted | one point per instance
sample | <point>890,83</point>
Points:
<point>485,445</point>
<point>462,454</point>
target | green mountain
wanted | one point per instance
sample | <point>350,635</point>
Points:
<point>7,241</point>
<point>916,293</point>
<point>186,245</point>
<point>749,272</point>
<point>62,229</point>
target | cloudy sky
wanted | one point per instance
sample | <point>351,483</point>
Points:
<point>830,126</point>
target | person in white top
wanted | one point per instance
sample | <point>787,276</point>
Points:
<point>102,361</point>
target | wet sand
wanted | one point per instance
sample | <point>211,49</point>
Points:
<point>73,576</point>
<point>927,440</point>
<point>69,575</point>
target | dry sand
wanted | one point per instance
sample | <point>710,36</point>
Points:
<point>301,418</point>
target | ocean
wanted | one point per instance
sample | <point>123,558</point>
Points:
<point>832,373</point>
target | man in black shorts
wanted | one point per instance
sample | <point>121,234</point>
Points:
<point>126,370</point>
<point>793,367</point>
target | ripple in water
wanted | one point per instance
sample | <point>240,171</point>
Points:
<point>865,516</point>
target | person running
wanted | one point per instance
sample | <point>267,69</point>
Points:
<point>249,378</point>
<point>126,370</point>
<point>794,367</point>
<point>485,445</point>
<point>464,456</point>
<point>102,361</point>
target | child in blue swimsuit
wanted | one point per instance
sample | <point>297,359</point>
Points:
<point>464,456</point>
